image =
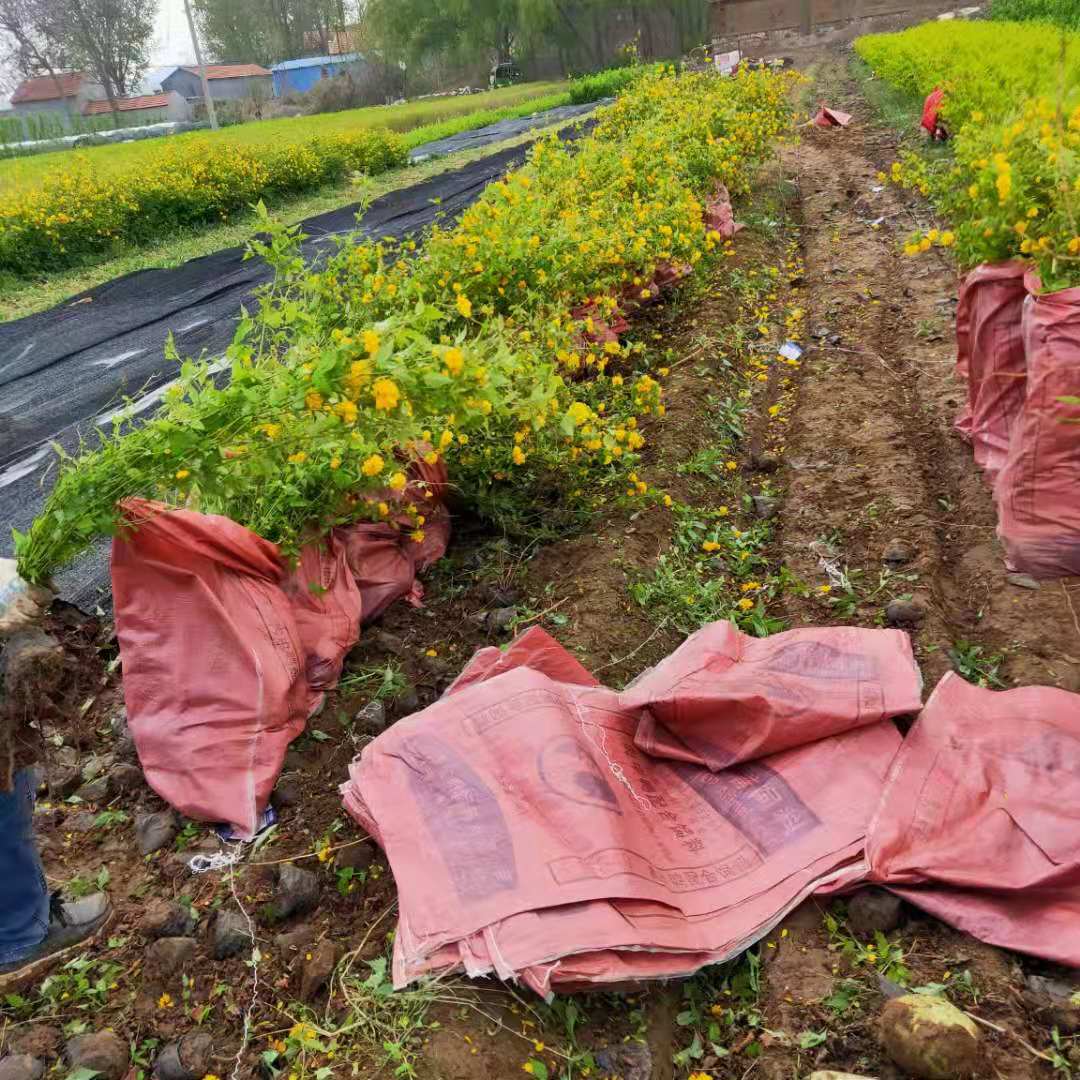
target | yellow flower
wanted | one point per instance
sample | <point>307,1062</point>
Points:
<point>387,395</point>
<point>518,455</point>
<point>164,1002</point>
<point>397,481</point>
<point>947,239</point>
<point>667,500</point>
<point>731,466</point>
<point>313,400</point>
<point>347,411</point>
<point>721,511</point>
<point>417,536</point>
<point>710,545</point>
<point>824,589</point>
<point>383,509</point>
<point>182,474</point>
<point>454,359</point>
<point>371,342</point>
<point>746,604</point>
<point>335,462</point>
<point>372,465</point>
<point>464,306</point>
<point>431,457</point>
<point>446,438</point>
<point>616,380</point>
<point>298,458</point>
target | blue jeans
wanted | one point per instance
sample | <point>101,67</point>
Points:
<point>24,896</point>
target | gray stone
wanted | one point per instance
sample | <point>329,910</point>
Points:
<point>297,892</point>
<point>96,791</point>
<point>169,956</point>
<point>765,506</point>
<point>1054,987</point>
<point>187,1059</point>
<point>764,463</point>
<point>155,831</point>
<point>82,821</point>
<point>125,778</point>
<point>872,910</point>
<point>435,665</point>
<point>1023,581</point>
<point>294,941</point>
<point>930,1038</point>
<point>166,919</point>
<point>372,717</point>
<point>904,613</point>
<point>407,702</point>
<point>500,620</point>
<point>628,1061</point>
<point>231,935</point>
<point>287,791</point>
<point>356,856</point>
<point>897,553</point>
<point>389,643</point>
<point>103,1052</point>
<point>96,765</point>
<point>21,1067</point>
<point>318,966</point>
<point>37,1040</point>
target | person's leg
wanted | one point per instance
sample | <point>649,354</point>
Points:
<point>24,896</point>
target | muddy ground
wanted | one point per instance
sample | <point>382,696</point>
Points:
<point>851,449</point>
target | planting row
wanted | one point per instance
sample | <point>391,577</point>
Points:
<point>1011,187</point>
<point>497,348</point>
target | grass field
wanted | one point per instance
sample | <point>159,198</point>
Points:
<point>433,116</point>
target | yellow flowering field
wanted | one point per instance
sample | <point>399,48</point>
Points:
<point>78,211</point>
<point>1011,187</point>
<point>495,347</point>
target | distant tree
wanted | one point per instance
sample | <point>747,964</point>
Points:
<point>31,48</point>
<point>110,39</point>
<point>266,31</point>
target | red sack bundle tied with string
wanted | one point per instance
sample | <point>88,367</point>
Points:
<point>979,823</point>
<point>1038,488</point>
<point>226,649</point>
<point>990,359</point>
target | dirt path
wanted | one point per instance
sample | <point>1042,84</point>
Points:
<point>873,466</point>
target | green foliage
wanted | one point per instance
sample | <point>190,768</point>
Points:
<point>1060,12</point>
<point>977,665</point>
<point>720,1006</point>
<point>389,357</point>
<point>603,84</point>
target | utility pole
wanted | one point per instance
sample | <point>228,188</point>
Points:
<point>202,67</point>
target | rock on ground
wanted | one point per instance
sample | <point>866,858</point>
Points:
<point>630,1061</point>
<point>168,956</point>
<point>871,910</point>
<point>231,935</point>
<point>166,919</point>
<point>357,856</point>
<point>187,1059</point>
<point>21,1067</point>
<point>38,1040</point>
<point>155,831</point>
<point>930,1038</point>
<point>297,892</point>
<point>318,966</point>
<point>103,1052</point>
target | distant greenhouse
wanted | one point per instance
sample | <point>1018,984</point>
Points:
<point>299,76</point>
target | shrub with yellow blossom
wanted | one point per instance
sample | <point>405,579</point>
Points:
<point>467,350</point>
<point>78,211</point>
<point>1011,188</point>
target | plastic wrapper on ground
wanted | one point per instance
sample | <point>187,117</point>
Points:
<point>979,824</point>
<point>531,837</point>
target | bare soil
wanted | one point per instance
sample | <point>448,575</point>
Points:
<point>867,457</point>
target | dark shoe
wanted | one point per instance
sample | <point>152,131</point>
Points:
<point>71,924</point>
